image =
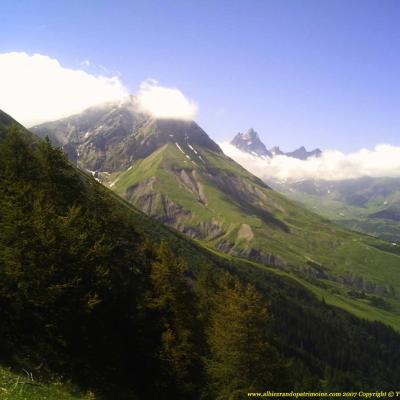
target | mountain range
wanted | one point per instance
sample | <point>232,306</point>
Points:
<point>89,294</point>
<point>368,205</point>
<point>174,172</point>
<point>249,142</point>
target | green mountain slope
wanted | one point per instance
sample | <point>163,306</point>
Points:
<point>211,198</point>
<point>75,262</point>
<point>179,176</point>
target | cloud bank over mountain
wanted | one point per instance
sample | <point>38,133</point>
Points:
<point>383,160</point>
<point>165,102</point>
<point>37,88</point>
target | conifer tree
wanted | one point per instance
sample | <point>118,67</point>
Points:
<point>241,358</point>
<point>206,287</point>
<point>175,302</point>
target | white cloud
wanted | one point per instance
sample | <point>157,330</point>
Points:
<point>36,88</point>
<point>165,102</point>
<point>383,160</point>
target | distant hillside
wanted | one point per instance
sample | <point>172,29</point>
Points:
<point>367,205</point>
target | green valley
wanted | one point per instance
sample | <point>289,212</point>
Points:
<point>368,205</point>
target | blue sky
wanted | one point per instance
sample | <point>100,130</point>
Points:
<point>319,73</point>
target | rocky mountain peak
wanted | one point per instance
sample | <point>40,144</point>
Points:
<point>251,134</point>
<point>110,137</point>
<point>250,143</point>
